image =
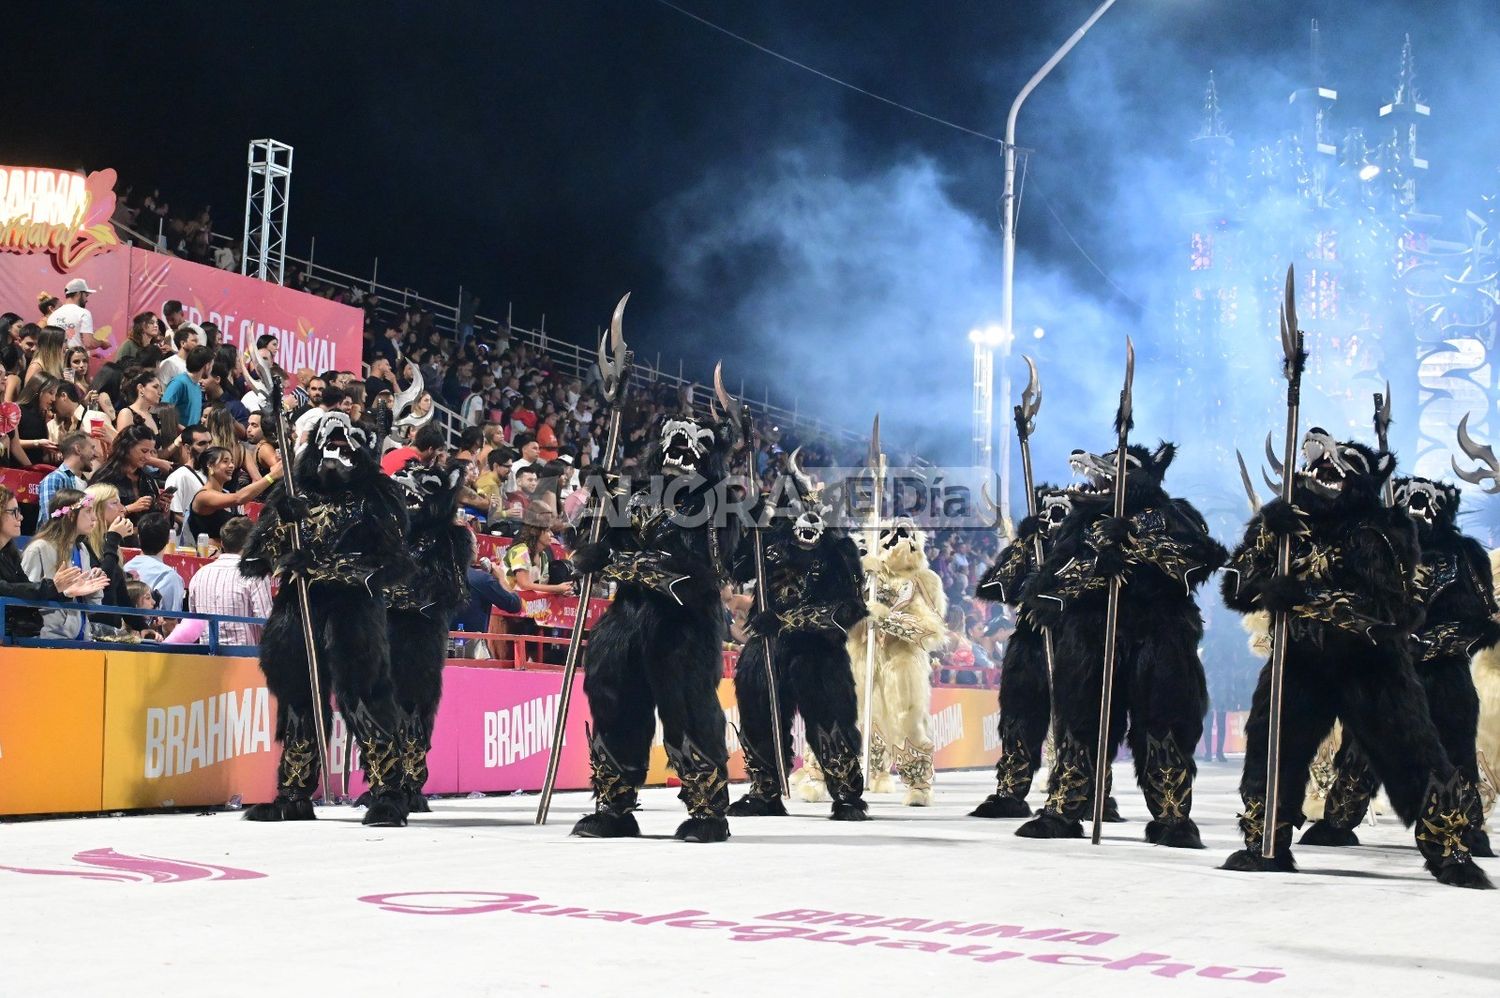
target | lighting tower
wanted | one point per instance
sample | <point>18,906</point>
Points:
<point>268,189</point>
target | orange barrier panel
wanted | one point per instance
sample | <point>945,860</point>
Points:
<point>186,729</point>
<point>51,730</point>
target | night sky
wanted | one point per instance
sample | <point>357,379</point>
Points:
<point>539,152</point>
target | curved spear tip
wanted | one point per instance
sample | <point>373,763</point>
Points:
<point>1276,464</point>
<point>616,322</point>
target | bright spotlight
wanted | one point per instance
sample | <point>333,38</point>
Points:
<point>1038,333</point>
<point>1369,171</point>
<point>976,337</point>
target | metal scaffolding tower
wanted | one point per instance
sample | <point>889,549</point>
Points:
<point>268,189</point>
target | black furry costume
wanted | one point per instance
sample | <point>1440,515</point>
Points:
<point>421,609</point>
<point>815,589</point>
<point>1162,549</point>
<point>1025,692</point>
<point>657,649</point>
<point>1348,656</point>
<point>1454,589</point>
<point>353,524</point>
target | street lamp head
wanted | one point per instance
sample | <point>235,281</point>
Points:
<point>1038,333</point>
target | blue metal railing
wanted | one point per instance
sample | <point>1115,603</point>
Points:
<point>213,646</point>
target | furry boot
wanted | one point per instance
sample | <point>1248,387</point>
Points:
<point>296,776</point>
<point>1167,778</point>
<point>1069,789</point>
<point>845,783</point>
<point>705,791</point>
<point>1253,826</point>
<point>1012,778</point>
<point>412,741</point>
<point>763,799</point>
<point>1440,834</point>
<point>380,757</point>
<point>914,766</point>
<point>615,798</point>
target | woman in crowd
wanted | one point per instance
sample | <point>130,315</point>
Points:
<point>46,304</point>
<point>215,505</point>
<point>143,390</point>
<point>51,349</point>
<point>37,400</point>
<point>12,363</point>
<point>76,366</point>
<point>226,434</point>
<point>111,529</point>
<point>60,543</point>
<point>66,582</point>
<point>10,328</point>
<point>138,348</point>
<point>126,469</point>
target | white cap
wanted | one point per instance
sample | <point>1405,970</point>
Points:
<point>79,285</point>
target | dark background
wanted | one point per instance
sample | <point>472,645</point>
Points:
<point>554,154</point>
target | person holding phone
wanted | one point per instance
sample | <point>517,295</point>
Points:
<point>215,505</point>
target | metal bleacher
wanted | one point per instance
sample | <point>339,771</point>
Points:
<point>571,358</point>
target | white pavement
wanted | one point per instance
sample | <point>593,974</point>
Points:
<point>476,900</point>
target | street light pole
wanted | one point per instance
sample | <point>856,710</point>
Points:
<point>1008,232</point>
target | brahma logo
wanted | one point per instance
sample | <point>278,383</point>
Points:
<point>141,869</point>
<point>58,212</point>
<point>182,738</point>
<point>947,726</point>
<point>519,732</point>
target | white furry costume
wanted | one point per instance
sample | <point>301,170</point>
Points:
<point>1486,671</point>
<point>908,614</point>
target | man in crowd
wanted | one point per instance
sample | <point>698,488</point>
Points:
<point>531,454</point>
<point>220,588</point>
<point>517,501</point>
<point>381,378</point>
<point>77,463</point>
<point>185,391</point>
<point>173,314</point>
<point>152,532</point>
<point>185,337</point>
<point>74,317</point>
<point>330,397</point>
<point>186,479</point>
<point>429,447</point>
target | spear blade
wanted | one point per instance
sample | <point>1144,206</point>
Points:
<point>1249,485</point>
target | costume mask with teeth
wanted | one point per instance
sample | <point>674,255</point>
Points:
<point>430,492</point>
<point>1052,509</point>
<point>338,454</point>
<point>1432,506</point>
<point>685,443</point>
<point>1338,473</point>
<point>902,545</point>
<point>808,529</point>
<point>1144,471</point>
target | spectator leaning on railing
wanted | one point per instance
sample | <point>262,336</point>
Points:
<point>59,543</point>
<point>67,581</point>
<point>219,588</point>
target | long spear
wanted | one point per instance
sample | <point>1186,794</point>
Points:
<point>1382,436</point>
<point>1293,360</point>
<point>1025,416</point>
<point>768,641</point>
<point>270,389</point>
<point>1123,422</point>
<point>615,372</point>
<point>877,466</point>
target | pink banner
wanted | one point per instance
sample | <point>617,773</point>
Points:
<point>22,278</point>
<point>313,332</point>
<point>504,720</point>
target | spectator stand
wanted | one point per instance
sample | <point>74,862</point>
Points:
<point>212,646</point>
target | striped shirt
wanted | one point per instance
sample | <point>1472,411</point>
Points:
<point>61,478</point>
<point>220,588</point>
